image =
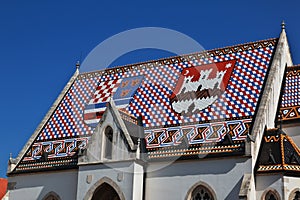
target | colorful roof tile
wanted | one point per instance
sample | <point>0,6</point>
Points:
<point>198,98</point>
<point>278,153</point>
<point>3,187</point>
<point>290,101</point>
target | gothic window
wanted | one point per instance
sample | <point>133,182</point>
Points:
<point>272,195</point>
<point>296,195</point>
<point>51,196</point>
<point>108,142</point>
<point>201,193</point>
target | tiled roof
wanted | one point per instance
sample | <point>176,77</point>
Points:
<point>278,153</point>
<point>290,101</point>
<point>198,97</point>
<point>3,187</point>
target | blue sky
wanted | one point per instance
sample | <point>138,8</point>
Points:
<point>40,42</point>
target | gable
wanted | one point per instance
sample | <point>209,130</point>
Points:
<point>111,136</point>
<point>278,153</point>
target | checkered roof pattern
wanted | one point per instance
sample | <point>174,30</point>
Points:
<point>290,100</point>
<point>66,130</point>
<point>291,92</point>
<point>151,100</point>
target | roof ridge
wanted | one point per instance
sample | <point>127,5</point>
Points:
<point>175,57</point>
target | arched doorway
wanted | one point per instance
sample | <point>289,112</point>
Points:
<point>103,187</point>
<point>105,192</point>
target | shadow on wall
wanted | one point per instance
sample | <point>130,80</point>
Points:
<point>235,191</point>
<point>211,166</point>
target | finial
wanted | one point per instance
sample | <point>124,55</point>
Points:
<point>77,65</point>
<point>282,25</point>
<point>10,155</point>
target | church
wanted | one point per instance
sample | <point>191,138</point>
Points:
<point>212,125</point>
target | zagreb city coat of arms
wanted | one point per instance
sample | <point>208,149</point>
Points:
<point>199,87</point>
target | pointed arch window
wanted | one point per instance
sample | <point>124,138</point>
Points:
<point>201,193</point>
<point>272,195</point>
<point>51,196</point>
<point>295,194</point>
<point>108,145</point>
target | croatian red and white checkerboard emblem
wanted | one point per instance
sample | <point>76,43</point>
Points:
<point>199,87</point>
<point>121,90</point>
